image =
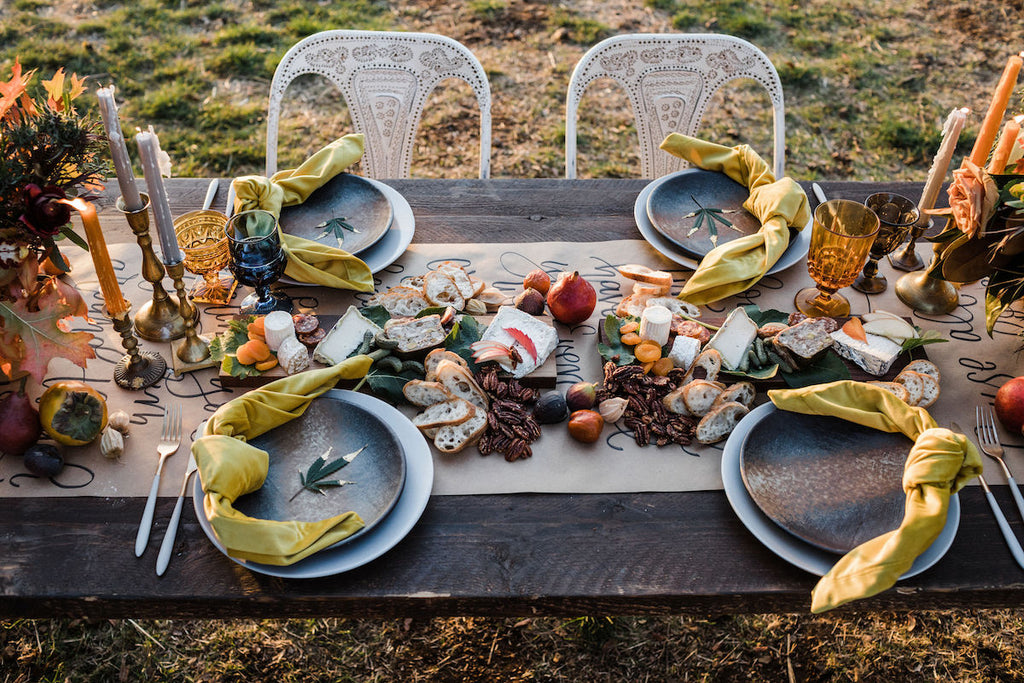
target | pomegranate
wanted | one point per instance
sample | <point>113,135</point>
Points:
<point>19,424</point>
<point>571,298</point>
<point>1010,404</point>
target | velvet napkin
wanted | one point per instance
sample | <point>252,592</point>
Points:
<point>940,463</point>
<point>229,467</point>
<point>308,261</point>
<point>735,266</point>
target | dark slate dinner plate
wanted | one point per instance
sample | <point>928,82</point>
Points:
<point>831,483</point>
<point>378,472</point>
<point>346,196</point>
<point>670,204</point>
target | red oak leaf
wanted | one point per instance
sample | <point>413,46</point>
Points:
<point>29,339</point>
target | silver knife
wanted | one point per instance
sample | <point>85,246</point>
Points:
<point>211,193</point>
<point>819,193</point>
<point>164,558</point>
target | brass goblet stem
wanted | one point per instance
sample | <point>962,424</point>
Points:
<point>906,258</point>
<point>137,369</point>
<point>192,349</point>
<point>158,320</point>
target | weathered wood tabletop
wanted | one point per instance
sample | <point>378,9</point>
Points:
<point>518,554</point>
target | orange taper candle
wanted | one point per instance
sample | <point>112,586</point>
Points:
<point>1007,139</point>
<point>109,287</point>
<point>990,126</point>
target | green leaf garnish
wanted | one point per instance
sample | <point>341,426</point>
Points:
<point>762,318</point>
<point>378,315</point>
<point>709,217</point>
<point>337,228</point>
<point>615,351</point>
<point>224,345</point>
<point>924,338</point>
<point>466,331</point>
<point>315,478</point>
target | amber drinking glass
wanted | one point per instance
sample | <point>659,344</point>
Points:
<point>896,216</point>
<point>205,246</point>
<point>840,244</point>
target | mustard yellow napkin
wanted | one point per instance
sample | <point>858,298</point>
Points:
<point>941,462</point>
<point>229,467</point>
<point>735,266</point>
<point>309,261</point>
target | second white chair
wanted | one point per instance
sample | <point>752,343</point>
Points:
<point>385,79</point>
<point>670,79</point>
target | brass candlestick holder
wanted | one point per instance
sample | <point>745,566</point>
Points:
<point>926,293</point>
<point>907,258</point>
<point>192,352</point>
<point>159,319</point>
<point>138,369</point>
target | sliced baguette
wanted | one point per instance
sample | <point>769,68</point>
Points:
<point>673,401</point>
<point>452,412</point>
<point>740,392</point>
<point>460,277</point>
<point>925,367</point>
<point>418,334</point>
<point>639,273</point>
<point>929,391</point>
<point>401,301</point>
<point>632,305</point>
<point>423,393</point>
<point>644,289</point>
<point>914,385</point>
<point>897,390</point>
<point>709,360</point>
<point>459,381</point>
<point>454,438</point>
<point>435,357</point>
<point>720,422</point>
<point>677,306</point>
<point>478,285</point>
<point>441,290</point>
<point>699,395</point>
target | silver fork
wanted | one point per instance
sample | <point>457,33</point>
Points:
<point>170,437</point>
<point>988,439</point>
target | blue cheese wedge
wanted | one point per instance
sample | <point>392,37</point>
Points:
<point>345,337</point>
<point>875,357</point>
<point>733,338</point>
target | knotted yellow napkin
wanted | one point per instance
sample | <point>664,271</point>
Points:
<point>308,261</point>
<point>941,462</point>
<point>230,467</point>
<point>735,266</point>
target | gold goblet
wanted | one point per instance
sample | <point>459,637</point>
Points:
<point>840,243</point>
<point>896,215</point>
<point>205,246</point>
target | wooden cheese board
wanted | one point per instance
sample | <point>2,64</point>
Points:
<point>543,377</point>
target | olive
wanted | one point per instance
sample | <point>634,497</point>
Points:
<point>44,460</point>
<point>551,408</point>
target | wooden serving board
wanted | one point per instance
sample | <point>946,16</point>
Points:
<point>543,377</point>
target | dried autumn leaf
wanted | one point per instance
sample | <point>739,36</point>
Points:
<point>29,339</point>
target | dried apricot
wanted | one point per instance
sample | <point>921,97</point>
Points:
<point>647,367</point>
<point>252,351</point>
<point>265,365</point>
<point>256,328</point>
<point>631,326</point>
<point>662,366</point>
<point>631,339</point>
<point>647,352</point>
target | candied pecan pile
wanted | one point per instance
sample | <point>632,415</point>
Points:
<point>645,413</point>
<point>511,427</point>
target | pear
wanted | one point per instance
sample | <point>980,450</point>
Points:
<point>896,329</point>
<point>19,423</point>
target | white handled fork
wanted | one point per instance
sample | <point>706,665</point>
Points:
<point>170,437</point>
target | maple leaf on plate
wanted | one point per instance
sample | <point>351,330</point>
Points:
<point>29,338</point>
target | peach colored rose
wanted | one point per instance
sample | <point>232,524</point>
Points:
<point>972,199</point>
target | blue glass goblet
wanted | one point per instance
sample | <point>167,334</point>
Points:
<point>257,260</point>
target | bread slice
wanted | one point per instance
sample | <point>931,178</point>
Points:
<point>632,305</point>
<point>401,301</point>
<point>720,422</point>
<point>441,290</point>
<point>459,380</point>
<point>639,273</point>
<point>459,276</point>
<point>418,334</point>
<point>929,391</point>
<point>741,392</point>
<point>699,395</point>
<point>925,367</point>
<point>644,289</point>
<point>677,306</point>
<point>710,361</point>
<point>435,357</point>
<point>897,390</point>
<point>673,401</point>
<point>423,393</point>
<point>914,385</point>
<point>454,438</point>
<point>478,285</point>
<point>452,412</point>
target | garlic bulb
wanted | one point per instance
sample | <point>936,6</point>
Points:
<point>111,443</point>
<point>121,421</point>
<point>611,409</point>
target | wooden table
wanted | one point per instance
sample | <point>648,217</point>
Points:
<point>525,554</point>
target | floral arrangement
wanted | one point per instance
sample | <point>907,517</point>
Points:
<point>48,153</point>
<point>985,234</point>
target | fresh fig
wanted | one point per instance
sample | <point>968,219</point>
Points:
<point>19,424</point>
<point>571,299</point>
<point>44,460</point>
<point>586,425</point>
<point>537,279</point>
<point>551,408</point>
<point>530,301</point>
<point>581,396</point>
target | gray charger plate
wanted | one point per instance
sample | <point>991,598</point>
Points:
<point>682,193</point>
<point>786,545</point>
<point>348,196</point>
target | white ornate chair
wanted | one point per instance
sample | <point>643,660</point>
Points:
<point>385,78</point>
<point>670,79</point>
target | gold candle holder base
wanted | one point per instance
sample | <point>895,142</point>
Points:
<point>138,369</point>
<point>159,319</point>
<point>192,349</point>
<point>927,294</point>
<point>181,367</point>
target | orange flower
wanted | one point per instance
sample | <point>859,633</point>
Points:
<point>972,199</point>
<point>11,90</point>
